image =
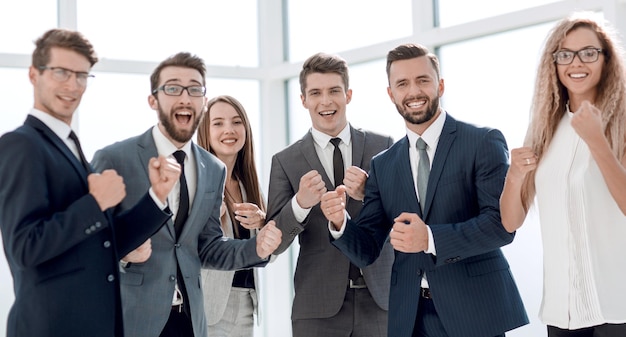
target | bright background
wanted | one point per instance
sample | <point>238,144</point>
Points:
<point>254,50</point>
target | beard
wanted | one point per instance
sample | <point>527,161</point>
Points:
<point>419,118</point>
<point>179,135</point>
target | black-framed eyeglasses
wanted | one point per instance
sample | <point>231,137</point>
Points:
<point>177,90</point>
<point>62,74</point>
<point>586,55</point>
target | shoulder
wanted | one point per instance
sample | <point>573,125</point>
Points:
<point>295,147</point>
<point>465,129</point>
<point>207,158</point>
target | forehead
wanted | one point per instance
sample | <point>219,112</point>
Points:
<point>580,37</point>
<point>323,81</point>
<point>411,68</point>
<point>222,110</point>
<point>180,75</point>
<point>69,59</point>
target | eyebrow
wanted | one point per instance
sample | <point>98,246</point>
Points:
<point>179,80</point>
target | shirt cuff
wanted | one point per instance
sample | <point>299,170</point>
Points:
<point>337,234</point>
<point>299,212</point>
<point>156,200</point>
<point>431,243</point>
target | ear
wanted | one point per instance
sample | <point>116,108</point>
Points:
<point>153,102</point>
<point>348,96</point>
<point>390,95</point>
<point>441,87</point>
<point>303,99</point>
<point>32,74</point>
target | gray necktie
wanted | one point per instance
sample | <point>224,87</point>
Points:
<point>423,171</point>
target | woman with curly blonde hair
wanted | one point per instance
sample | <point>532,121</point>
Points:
<point>572,168</point>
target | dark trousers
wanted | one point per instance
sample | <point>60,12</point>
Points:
<point>603,330</point>
<point>427,322</point>
<point>178,325</point>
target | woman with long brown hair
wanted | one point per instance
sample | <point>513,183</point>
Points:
<point>230,297</point>
<point>572,168</point>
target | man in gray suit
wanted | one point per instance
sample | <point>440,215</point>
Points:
<point>161,296</point>
<point>332,296</point>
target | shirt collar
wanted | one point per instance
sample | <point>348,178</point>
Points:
<point>323,139</point>
<point>60,128</point>
<point>165,147</point>
<point>431,134</point>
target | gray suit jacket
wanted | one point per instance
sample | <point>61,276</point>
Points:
<point>148,288</point>
<point>321,278</point>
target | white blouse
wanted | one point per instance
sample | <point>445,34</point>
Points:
<point>584,237</point>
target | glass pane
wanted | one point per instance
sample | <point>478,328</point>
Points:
<point>333,26</point>
<point>370,108</point>
<point>454,12</point>
<point>23,23</point>
<point>221,32</point>
<point>16,95</point>
<point>497,89</point>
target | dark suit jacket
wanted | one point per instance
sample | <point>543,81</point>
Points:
<point>469,277</point>
<point>61,248</point>
<point>148,288</point>
<point>321,277</point>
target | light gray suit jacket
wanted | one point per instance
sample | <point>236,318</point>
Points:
<point>321,278</point>
<point>148,288</point>
<point>217,284</point>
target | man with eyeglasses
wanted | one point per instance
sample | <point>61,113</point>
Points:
<point>60,238</point>
<point>162,296</point>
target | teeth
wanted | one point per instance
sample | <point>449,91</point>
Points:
<point>184,112</point>
<point>326,113</point>
<point>229,141</point>
<point>416,104</point>
<point>578,75</point>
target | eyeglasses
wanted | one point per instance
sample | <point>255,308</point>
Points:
<point>61,74</point>
<point>586,55</point>
<point>177,90</point>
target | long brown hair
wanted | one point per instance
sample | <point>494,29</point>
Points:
<point>550,96</point>
<point>244,170</point>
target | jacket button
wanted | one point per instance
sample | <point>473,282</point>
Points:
<point>172,278</point>
<point>107,244</point>
<point>98,224</point>
<point>87,231</point>
<point>110,278</point>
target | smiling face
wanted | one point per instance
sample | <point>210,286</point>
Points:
<point>415,88</point>
<point>178,115</point>
<point>326,99</point>
<point>227,131</point>
<point>581,79</point>
<point>59,99</point>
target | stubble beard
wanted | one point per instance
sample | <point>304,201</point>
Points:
<point>413,118</point>
<point>181,136</point>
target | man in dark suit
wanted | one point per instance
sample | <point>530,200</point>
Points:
<point>61,242</point>
<point>162,296</point>
<point>450,277</point>
<point>332,297</point>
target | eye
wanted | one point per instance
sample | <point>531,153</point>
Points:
<point>196,91</point>
<point>564,55</point>
<point>172,89</point>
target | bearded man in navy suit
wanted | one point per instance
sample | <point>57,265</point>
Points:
<point>449,277</point>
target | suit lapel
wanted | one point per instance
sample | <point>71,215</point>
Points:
<point>446,139</point>
<point>60,145</point>
<point>358,146</point>
<point>403,169</point>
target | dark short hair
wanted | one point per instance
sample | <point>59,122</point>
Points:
<point>324,63</point>
<point>410,51</point>
<point>182,59</point>
<point>62,38</point>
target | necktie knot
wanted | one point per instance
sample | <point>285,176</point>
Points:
<point>421,144</point>
<point>81,155</point>
<point>335,141</point>
<point>180,156</point>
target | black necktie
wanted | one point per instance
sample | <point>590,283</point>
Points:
<point>423,171</point>
<point>183,203</point>
<point>80,151</point>
<point>338,168</point>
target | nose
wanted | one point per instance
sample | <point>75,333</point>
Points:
<point>326,100</point>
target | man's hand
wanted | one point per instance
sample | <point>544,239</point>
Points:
<point>333,206</point>
<point>140,254</point>
<point>164,174</point>
<point>355,182</point>
<point>268,239</point>
<point>311,188</point>
<point>107,188</point>
<point>409,234</point>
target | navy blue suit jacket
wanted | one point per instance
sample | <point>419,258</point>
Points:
<point>62,250</point>
<point>469,278</point>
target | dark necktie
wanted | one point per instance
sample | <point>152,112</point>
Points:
<point>183,203</point>
<point>80,152</point>
<point>423,171</point>
<point>338,168</point>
